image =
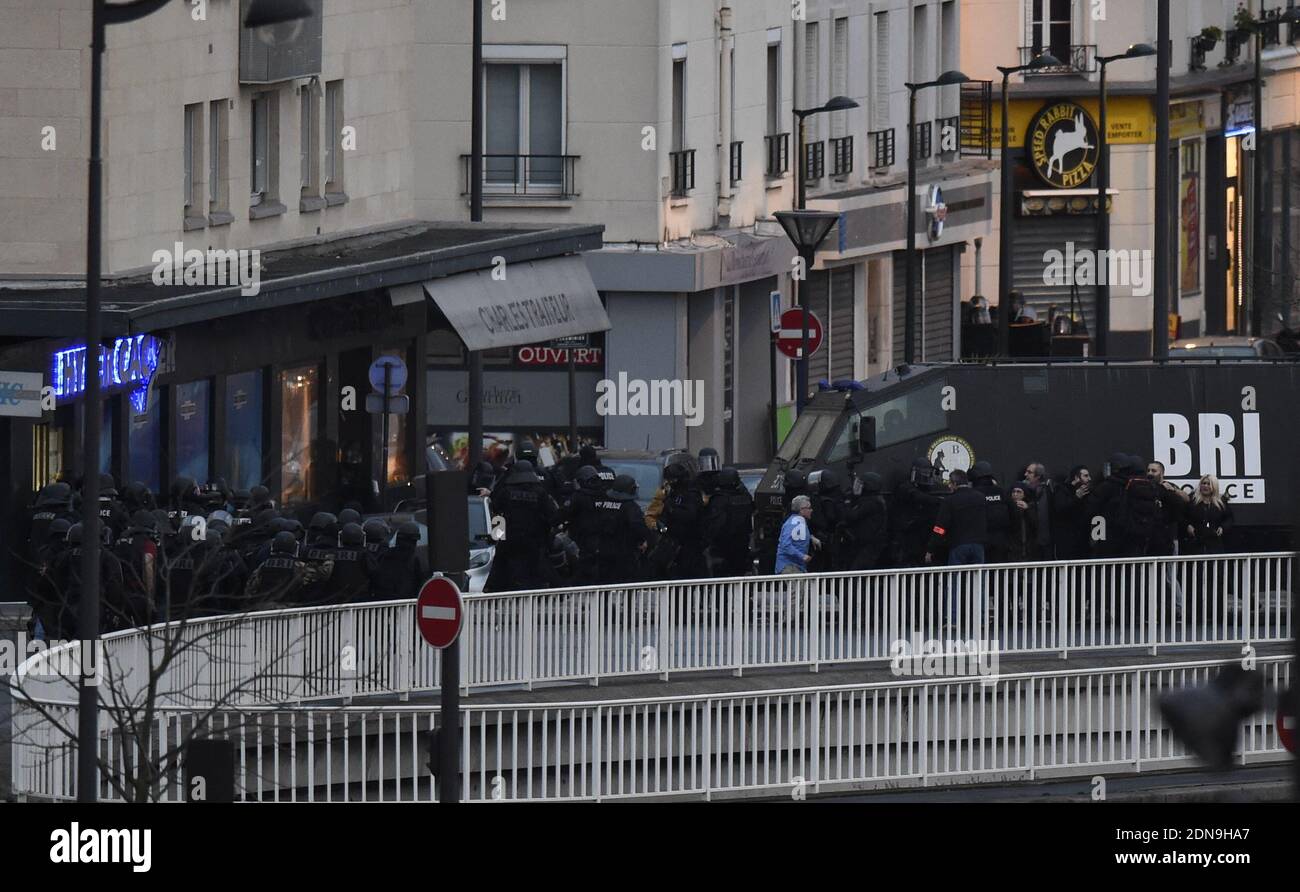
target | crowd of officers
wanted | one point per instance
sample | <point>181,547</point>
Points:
<point>579,523</point>
<point>206,551</point>
<point>209,550</point>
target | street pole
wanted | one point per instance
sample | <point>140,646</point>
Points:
<point>909,306</point>
<point>383,471</point>
<point>1005,243</point>
<point>1160,309</point>
<point>573,400</point>
<point>474,449</point>
<point>88,604</point>
<point>801,196</point>
<point>1103,224</point>
<point>1257,193</point>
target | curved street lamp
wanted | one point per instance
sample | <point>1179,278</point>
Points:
<point>807,230</point>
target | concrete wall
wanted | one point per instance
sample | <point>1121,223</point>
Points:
<point>153,68</point>
<point>649,339</point>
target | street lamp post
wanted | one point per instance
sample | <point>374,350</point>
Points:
<point>1006,242</point>
<point>261,13</point>
<point>909,307</point>
<point>807,230</point>
<point>1136,51</point>
<point>836,103</point>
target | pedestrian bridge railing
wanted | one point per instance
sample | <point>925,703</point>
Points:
<point>585,635</point>
<point>915,732</point>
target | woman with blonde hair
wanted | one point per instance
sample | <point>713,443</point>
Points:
<point>1209,518</point>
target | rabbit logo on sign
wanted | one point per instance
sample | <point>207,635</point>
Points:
<point>1063,145</point>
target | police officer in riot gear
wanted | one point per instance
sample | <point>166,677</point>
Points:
<point>322,541</point>
<point>999,514</point>
<point>729,524</point>
<point>827,517</point>
<point>347,516</point>
<point>916,504</point>
<point>866,522</point>
<point>530,514</point>
<point>398,574</point>
<point>377,536</point>
<point>353,567</point>
<point>707,476</point>
<point>42,595</point>
<point>137,552</point>
<point>622,533</point>
<point>66,580</point>
<point>683,524</point>
<point>584,519</point>
<point>281,576</point>
<point>113,515</point>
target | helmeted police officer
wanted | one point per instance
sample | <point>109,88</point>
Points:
<point>530,514</point>
<point>622,533</point>
<point>867,526</point>
<point>999,516</point>
<point>707,476</point>
<point>281,576</point>
<point>683,523</point>
<point>916,504</point>
<point>377,537</point>
<point>322,542</point>
<point>353,567</point>
<point>398,573</point>
<point>729,524</point>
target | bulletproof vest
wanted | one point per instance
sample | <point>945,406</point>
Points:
<point>112,516</point>
<point>40,529</point>
<point>606,476</point>
<point>130,550</point>
<point>999,521</point>
<point>351,579</point>
<point>588,518</point>
<point>377,550</point>
<point>739,513</point>
<point>522,510</point>
<point>397,576</point>
<point>1144,505</point>
<point>277,576</point>
<point>682,513</point>
<point>614,526</point>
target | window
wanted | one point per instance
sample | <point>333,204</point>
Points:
<point>308,141</point>
<point>903,418</point>
<point>807,437</point>
<point>193,159</point>
<point>840,74</point>
<point>261,153</point>
<point>193,417</point>
<point>774,89</point>
<point>524,124</point>
<point>145,446</point>
<point>880,93</point>
<point>679,104</point>
<point>243,440</point>
<point>299,393</point>
<point>1049,23</point>
<point>334,136</point>
<point>47,455</point>
<point>811,74</point>
<point>218,168</point>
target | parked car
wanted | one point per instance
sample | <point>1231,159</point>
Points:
<point>481,545</point>
<point>1226,347</point>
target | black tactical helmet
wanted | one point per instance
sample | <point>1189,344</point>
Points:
<point>625,484</point>
<point>183,488</point>
<point>795,481</point>
<point>872,483</point>
<point>587,476</point>
<point>408,532</point>
<point>54,496</point>
<point>265,518</point>
<point>527,451</point>
<point>144,522</point>
<point>259,496</point>
<point>352,536</point>
<point>284,543</point>
<point>981,470</point>
<point>523,472</point>
<point>322,521</point>
<point>587,455</point>
<point>58,531</point>
<point>349,515</point>
<point>107,486</point>
<point>74,534</point>
<point>728,478</point>
<point>709,460</point>
<point>376,531</point>
<point>829,482</point>
<point>676,473</point>
<point>1118,462</point>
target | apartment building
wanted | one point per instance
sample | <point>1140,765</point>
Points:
<point>1214,145</point>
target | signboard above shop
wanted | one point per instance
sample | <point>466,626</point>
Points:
<point>129,362</point>
<point>1129,119</point>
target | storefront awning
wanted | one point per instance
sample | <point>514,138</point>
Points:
<point>523,303</point>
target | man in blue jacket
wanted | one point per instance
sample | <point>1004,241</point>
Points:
<point>793,552</point>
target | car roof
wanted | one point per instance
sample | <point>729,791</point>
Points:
<point>1218,341</point>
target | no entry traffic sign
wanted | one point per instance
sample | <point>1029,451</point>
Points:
<point>789,339</point>
<point>440,612</point>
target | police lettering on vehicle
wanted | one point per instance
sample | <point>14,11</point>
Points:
<point>1212,443</point>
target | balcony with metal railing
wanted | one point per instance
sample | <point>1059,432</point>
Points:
<point>1080,58</point>
<point>777,147</point>
<point>532,176</point>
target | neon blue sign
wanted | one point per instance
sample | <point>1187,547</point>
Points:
<point>130,362</point>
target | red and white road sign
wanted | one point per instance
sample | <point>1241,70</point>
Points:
<point>789,340</point>
<point>1286,723</point>
<point>440,612</point>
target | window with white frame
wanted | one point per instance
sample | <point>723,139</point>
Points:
<point>524,117</point>
<point>308,140</point>
<point>840,73</point>
<point>1050,27</point>
<point>264,148</point>
<point>193,159</point>
<point>334,136</point>
<point>774,118</point>
<point>218,157</point>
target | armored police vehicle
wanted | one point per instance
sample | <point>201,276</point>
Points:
<point>1234,419</point>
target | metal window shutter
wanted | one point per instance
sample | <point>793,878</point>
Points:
<point>840,73</point>
<point>1035,236</point>
<point>811,72</point>
<point>841,324</point>
<point>880,101</point>
<point>817,302</point>
<point>937,312</point>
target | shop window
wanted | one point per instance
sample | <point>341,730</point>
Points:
<point>193,430</point>
<point>299,394</point>
<point>107,434</point>
<point>243,440</point>
<point>47,455</point>
<point>444,348</point>
<point>399,468</point>
<point>144,447</point>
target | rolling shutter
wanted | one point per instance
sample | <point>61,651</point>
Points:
<point>934,318</point>
<point>834,361</point>
<point>1035,237</point>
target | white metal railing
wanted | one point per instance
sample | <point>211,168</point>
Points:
<point>585,635</point>
<point>903,733</point>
